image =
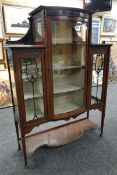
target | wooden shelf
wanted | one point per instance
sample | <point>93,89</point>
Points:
<point>95,85</point>
<point>66,107</point>
<point>68,43</point>
<point>64,67</point>
<point>79,43</point>
<point>28,95</point>
<point>25,79</point>
<point>66,88</point>
<point>30,67</point>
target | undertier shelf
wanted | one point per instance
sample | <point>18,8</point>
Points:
<point>65,107</point>
<point>66,88</point>
<point>60,135</point>
<point>30,114</point>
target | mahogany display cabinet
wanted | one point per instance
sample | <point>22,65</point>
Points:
<point>56,74</point>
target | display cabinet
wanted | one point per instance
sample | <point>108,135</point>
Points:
<point>58,73</point>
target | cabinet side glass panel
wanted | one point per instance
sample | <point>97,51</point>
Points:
<point>13,84</point>
<point>33,88</point>
<point>68,60</point>
<point>97,78</point>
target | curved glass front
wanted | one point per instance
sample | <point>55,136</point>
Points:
<point>68,59</point>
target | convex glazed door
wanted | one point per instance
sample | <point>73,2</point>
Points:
<point>69,64</point>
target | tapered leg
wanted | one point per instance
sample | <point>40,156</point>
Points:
<point>17,133</point>
<point>87,114</point>
<point>102,122</point>
<point>24,152</point>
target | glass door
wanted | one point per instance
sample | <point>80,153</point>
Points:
<point>68,59</point>
<point>32,79</point>
<point>97,77</point>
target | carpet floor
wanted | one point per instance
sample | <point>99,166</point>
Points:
<point>89,155</point>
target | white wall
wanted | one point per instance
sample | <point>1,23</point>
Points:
<point>114,8</point>
<point>68,3</point>
<point>36,3</point>
<point>71,3</point>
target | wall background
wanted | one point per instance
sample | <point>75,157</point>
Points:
<point>36,3</point>
<point>73,3</point>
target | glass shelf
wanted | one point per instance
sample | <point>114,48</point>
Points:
<point>95,85</point>
<point>25,79</point>
<point>64,67</point>
<point>66,88</point>
<point>65,43</point>
<point>65,107</point>
<point>30,68</point>
<point>66,73</point>
<point>79,43</point>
